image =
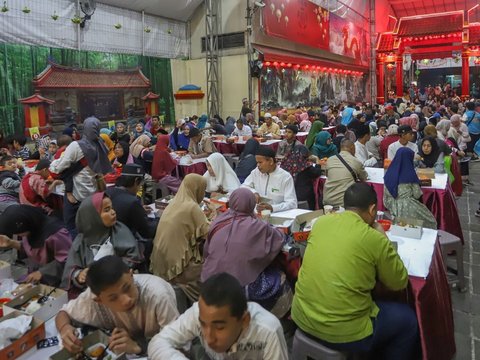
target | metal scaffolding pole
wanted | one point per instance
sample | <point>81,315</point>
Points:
<point>211,50</point>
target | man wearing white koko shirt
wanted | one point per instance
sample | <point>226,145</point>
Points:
<point>270,181</point>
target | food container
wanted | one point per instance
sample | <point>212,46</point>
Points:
<point>93,341</point>
<point>426,173</point>
<point>56,299</point>
<point>410,228</point>
<point>27,341</point>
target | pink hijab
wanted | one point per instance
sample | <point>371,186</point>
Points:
<point>239,243</point>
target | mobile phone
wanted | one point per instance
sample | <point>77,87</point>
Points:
<point>45,343</point>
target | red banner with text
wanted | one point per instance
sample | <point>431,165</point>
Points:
<point>299,21</point>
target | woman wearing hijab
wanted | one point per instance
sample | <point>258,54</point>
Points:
<point>120,133</point>
<point>202,121</point>
<point>230,125</point>
<point>122,154</point>
<point>303,173</point>
<point>176,255</point>
<point>141,153</point>
<point>324,147</point>
<point>431,155</point>
<point>244,246</point>
<point>179,139</point>
<point>220,176</point>
<point>110,146</point>
<point>247,160</point>
<point>45,242</point>
<point>402,190</point>
<point>163,165</point>
<point>139,130</point>
<point>99,235</point>
<point>317,126</point>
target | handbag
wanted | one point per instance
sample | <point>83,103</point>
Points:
<point>349,168</point>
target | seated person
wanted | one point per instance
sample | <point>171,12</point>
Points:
<point>361,151</point>
<point>35,190</point>
<point>45,242</point>
<point>431,156</point>
<point>109,144</point>
<point>140,130</point>
<point>99,234</point>
<point>220,176</point>
<point>317,126</point>
<point>10,180</point>
<point>373,145</point>
<point>227,325</point>
<point>141,153</point>
<point>269,127</point>
<point>122,154</point>
<point>290,141</point>
<point>163,165</point>
<point>218,128</point>
<point>120,133</point>
<point>272,182</point>
<point>392,136</point>
<point>346,255</point>
<point>133,307</point>
<point>125,202</point>
<point>402,190</point>
<point>52,150</point>
<point>155,127</point>
<point>247,161</point>
<point>20,149</point>
<point>405,140</point>
<point>245,246</point>
<point>200,145</point>
<point>324,147</point>
<point>242,130</point>
<point>339,176</point>
<point>303,172</point>
<point>305,124</point>
<point>179,140</point>
<point>180,261</point>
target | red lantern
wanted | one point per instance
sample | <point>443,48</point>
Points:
<point>289,65</point>
<point>267,63</point>
<point>306,66</point>
<point>282,64</point>
<point>297,66</point>
<point>275,63</point>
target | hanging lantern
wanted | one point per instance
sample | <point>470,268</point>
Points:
<point>267,63</point>
<point>275,63</point>
<point>289,65</point>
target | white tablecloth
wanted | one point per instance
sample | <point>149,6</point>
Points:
<point>375,175</point>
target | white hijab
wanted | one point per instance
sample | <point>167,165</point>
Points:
<point>224,174</point>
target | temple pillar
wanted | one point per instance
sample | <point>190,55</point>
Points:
<point>380,81</point>
<point>465,74</point>
<point>399,75</point>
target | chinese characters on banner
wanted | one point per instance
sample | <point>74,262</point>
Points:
<point>299,21</point>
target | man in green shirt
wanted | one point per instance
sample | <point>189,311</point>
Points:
<point>346,255</point>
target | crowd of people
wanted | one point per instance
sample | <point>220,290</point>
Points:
<point>124,270</point>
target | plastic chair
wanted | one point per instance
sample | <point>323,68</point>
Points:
<point>450,243</point>
<point>306,348</point>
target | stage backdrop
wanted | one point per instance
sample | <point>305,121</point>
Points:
<point>290,88</point>
<point>20,63</point>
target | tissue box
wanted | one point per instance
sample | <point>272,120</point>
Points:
<point>48,310</point>
<point>5,270</point>
<point>89,341</point>
<point>27,341</point>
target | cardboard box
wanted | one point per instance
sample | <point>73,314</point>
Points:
<point>48,310</point>
<point>88,341</point>
<point>27,341</point>
<point>409,231</point>
<point>5,270</point>
<point>303,220</point>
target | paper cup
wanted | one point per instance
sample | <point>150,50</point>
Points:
<point>265,214</point>
<point>327,209</point>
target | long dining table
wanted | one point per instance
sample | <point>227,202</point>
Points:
<point>438,198</point>
<point>428,292</point>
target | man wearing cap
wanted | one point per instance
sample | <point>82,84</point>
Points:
<point>391,117</point>
<point>290,141</point>
<point>201,146</point>
<point>361,151</point>
<point>270,181</point>
<point>406,138</point>
<point>126,202</point>
<point>269,127</point>
<point>34,188</point>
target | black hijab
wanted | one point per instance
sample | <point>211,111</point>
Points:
<point>126,152</point>
<point>430,159</point>
<point>93,147</point>
<point>17,219</point>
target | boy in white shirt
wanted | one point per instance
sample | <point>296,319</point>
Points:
<point>228,327</point>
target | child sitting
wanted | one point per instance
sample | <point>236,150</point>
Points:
<point>9,181</point>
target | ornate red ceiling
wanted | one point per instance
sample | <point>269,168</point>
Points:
<point>402,8</point>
